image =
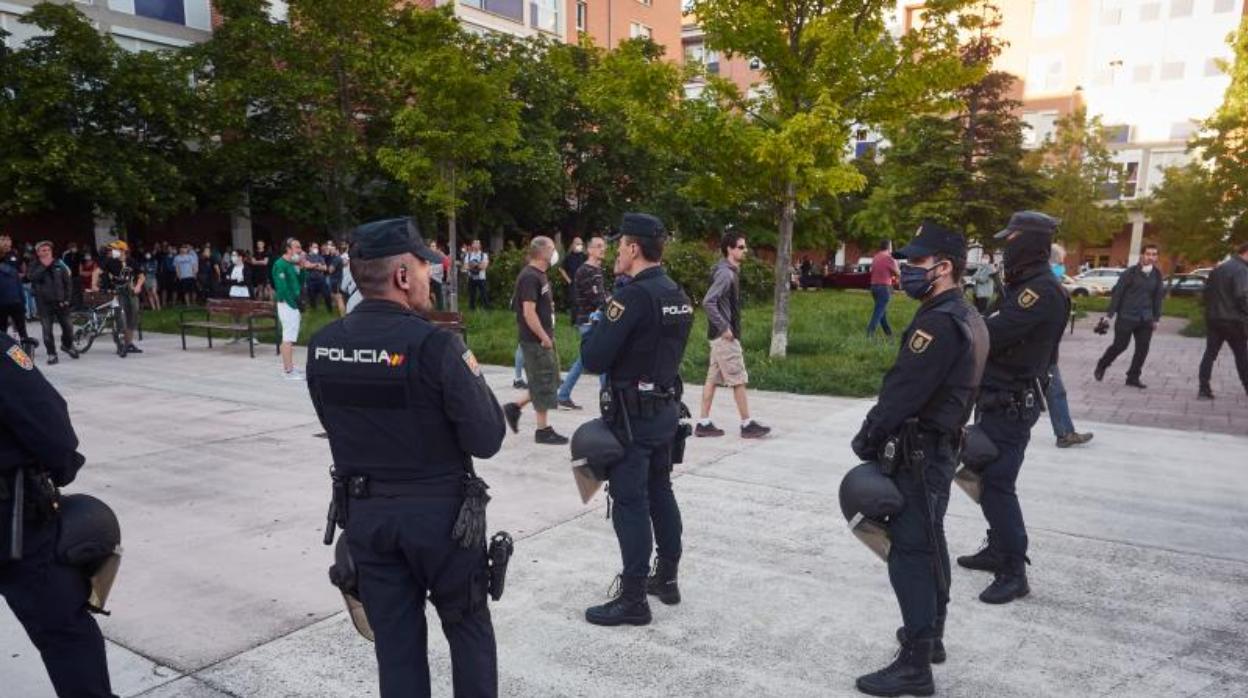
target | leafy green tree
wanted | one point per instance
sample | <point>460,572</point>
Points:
<point>89,126</point>
<point>1080,180</point>
<point>1222,147</point>
<point>1190,212</point>
<point>965,168</point>
<point>457,112</point>
<point>829,64</point>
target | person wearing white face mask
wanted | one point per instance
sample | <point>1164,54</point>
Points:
<point>535,321</point>
<point>239,277</point>
<point>1137,304</point>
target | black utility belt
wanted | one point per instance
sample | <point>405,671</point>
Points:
<point>911,447</point>
<point>645,403</point>
<point>1015,403</point>
<point>364,487</point>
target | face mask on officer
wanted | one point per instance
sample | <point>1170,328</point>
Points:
<point>918,281</point>
<point>1024,249</point>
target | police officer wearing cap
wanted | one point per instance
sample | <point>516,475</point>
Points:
<point>38,449</point>
<point>915,430</point>
<point>639,345</point>
<point>406,410</point>
<point>1025,329</point>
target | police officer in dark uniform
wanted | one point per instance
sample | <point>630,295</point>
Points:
<point>38,449</point>
<point>926,399</point>
<point>1026,329</point>
<point>406,410</point>
<point>639,345</point>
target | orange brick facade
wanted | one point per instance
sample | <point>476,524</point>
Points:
<point>608,22</point>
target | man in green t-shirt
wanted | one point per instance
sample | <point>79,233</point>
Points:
<point>287,288</point>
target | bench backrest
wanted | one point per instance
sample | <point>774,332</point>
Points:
<point>447,320</point>
<point>240,306</point>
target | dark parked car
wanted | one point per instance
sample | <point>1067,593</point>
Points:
<point>849,276</point>
<point>1186,285</point>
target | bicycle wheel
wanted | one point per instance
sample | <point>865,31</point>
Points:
<point>83,322</point>
<point>119,339</point>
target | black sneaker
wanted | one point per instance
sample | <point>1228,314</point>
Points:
<point>73,353</point>
<point>754,430</point>
<point>1099,374</point>
<point>519,384</point>
<point>1135,383</point>
<point>52,360</point>
<point>131,349</point>
<point>1206,393</point>
<point>549,437</point>
<point>511,412</point>
<point>707,430</point>
<point>568,405</point>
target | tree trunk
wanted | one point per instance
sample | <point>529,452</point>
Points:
<point>784,257</point>
<point>452,248</point>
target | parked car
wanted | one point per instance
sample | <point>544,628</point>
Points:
<point>1103,279</point>
<point>1186,285</point>
<point>849,276</point>
<point>1079,289</point>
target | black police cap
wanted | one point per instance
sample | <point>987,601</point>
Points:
<point>1029,222</point>
<point>933,238</point>
<point>390,237</point>
<point>640,225</point>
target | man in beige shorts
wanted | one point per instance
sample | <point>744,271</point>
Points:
<point>723,322</point>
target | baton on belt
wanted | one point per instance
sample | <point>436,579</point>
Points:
<point>18,514</point>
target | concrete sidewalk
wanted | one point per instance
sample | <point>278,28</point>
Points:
<point>1140,545</point>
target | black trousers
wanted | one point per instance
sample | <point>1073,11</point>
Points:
<point>912,557</point>
<point>17,313</point>
<point>403,549</point>
<point>1124,331</point>
<point>478,293</point>
<point>999,501</point>
<point>50,313</point>
<point>1235,335</point>
<point>50,601</point>
<point>645,512</point>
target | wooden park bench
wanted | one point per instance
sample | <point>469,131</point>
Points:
<point>243,315</point>
<point>448,321</point>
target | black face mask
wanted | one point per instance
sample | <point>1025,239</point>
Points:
<point>1026,250</point>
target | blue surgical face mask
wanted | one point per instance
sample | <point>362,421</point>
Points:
<point>915,281</point>
<point>1059,270</point>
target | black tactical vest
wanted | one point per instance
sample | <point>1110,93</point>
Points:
<point>384,418</point>
<point>658,343</point>
<point>951,407</point>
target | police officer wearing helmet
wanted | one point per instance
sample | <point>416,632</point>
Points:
<point>406,410</point>
<point>1025,330</point>
<point>915,430</point>
<point>38,449</point>
<point>639,345</point>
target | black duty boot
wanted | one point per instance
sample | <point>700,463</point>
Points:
<point>938,644</point>
<point>910,674</point>
<point>1205,393</point>
<point>629,607</point>
<point>986,560</point>
<point>1010,583</point>
<point>662,583</point>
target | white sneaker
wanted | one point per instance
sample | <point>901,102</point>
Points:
<point>293,374</point>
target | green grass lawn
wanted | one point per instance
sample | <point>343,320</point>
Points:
<point>829,352</point>
<point>1187,307</point>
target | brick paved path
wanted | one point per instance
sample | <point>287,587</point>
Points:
<point>1170,374</point>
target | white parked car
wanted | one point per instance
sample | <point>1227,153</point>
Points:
<point>1103,279</point>
<point>1078,289</point>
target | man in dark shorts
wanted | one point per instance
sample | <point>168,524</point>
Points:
<point>125,277</point>
<point>535,321</point>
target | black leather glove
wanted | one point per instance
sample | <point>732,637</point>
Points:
<point>469,527</point>
<point>862,446</point>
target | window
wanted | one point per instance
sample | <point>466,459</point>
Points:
<point>582,16</point>
<point>164,10</point>
<point>1045,72</point>
<point>544,15</point>
<point>1182,130</point>
<point>1181,8</point>
<point>695,54</point>
<point>1142,73</point>
<point>1130,177</point>
<point>511,9</point>
<point>712,62</point>
<point>637,30</point>
<point>1111,13</point>
<point>1220,6</point>
<point>18,33</point>
<point>1213,68</point>
<point>1172,71</point>
<point>647,3</point>
<point>1040,127</point>
<point>1117,134</point>
<point>1050,17</point>
<point>1150,11</point>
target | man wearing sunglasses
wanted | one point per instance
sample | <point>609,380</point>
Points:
<point>925,400</point>
<point>723,329</point>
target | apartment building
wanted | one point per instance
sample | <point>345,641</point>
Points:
<point>743,71</point>
<point>523,18</point>
<point>608,22</point>
<point>137,25</point>
<point>1149,68</point>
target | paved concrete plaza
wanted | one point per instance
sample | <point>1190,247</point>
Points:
<point>1139,543</point>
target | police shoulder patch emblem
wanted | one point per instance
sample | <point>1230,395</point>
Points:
<point>920,341</point>
<point>1028,298</point>
<point>470,360</point>
<point>21,358</point>
<point>615,310</point>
